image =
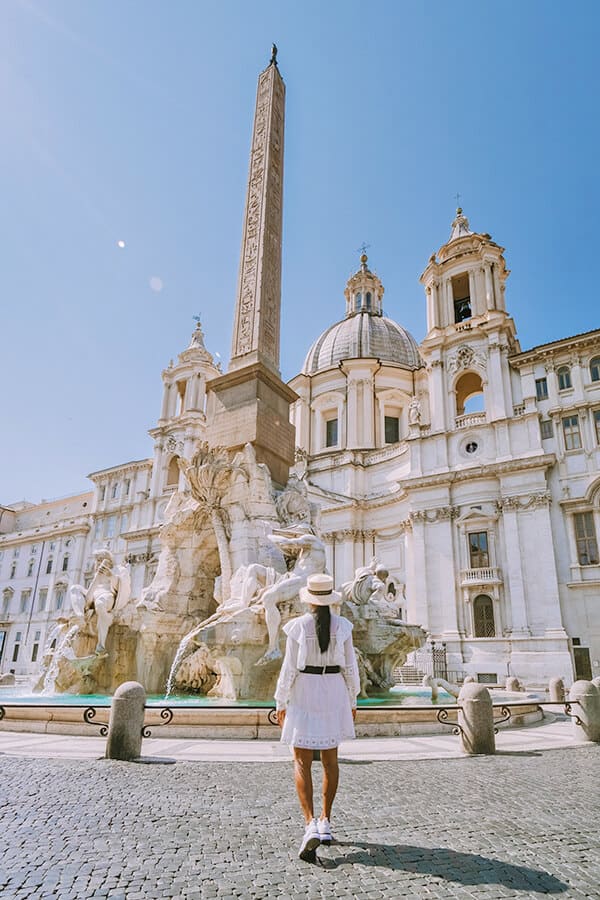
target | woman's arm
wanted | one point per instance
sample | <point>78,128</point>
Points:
<point>288,673</point>
<point>350,671</point>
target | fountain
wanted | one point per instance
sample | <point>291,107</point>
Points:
<point>235,553</point>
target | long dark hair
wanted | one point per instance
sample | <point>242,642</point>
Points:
<point>322,617</point>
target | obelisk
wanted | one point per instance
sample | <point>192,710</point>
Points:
<point>250,403</point>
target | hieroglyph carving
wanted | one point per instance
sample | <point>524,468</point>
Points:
<point>259,290</point>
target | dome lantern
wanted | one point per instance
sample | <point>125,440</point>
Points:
<point>364,292</point>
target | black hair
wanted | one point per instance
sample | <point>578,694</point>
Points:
<point>322,617</point>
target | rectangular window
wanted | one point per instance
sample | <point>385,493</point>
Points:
<point>16,552</point>
<point>487,678</point>
<point>34,549</point>
<point>124,523</point>
<point>585,538</point>
<point>60,598</point>
<point>111,522</point>
<point>571,432</point>
<point>597,424</point>
<point>49,566</point>
<point>126,487</point>
<point>546,429</point>
<point>65,563</point>
<point>25,598</point>
<point>36,646</point>
<point>115,491</point>
<point>13,569</point>
<point>17,646</point>
<point>541,388</point>
<point>478,550</point>
<point>102,492</point>
<point>331,433</point>
<point>392,429</point>
<point>42,599</point>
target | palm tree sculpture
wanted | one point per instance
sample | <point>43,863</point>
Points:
<point>209,474</point>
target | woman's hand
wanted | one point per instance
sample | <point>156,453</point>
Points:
<point>280,717</point>
<point>354,714</point>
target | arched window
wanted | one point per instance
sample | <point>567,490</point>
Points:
<point>49,565</point>
<point>357,301</point>
<point>65,562</point>
<point>595,368</point>
<point>369,299</point>
<point>483,615</point>
<point>469,394</point>
<point>173,473</point>
<point>30,568</point>
<point>564,378</point>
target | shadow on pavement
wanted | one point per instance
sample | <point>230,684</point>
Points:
<point>450,865</point>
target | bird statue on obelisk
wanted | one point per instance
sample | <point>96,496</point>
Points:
<point>250,403</point>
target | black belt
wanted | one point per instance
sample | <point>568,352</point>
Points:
<point>321,670</point>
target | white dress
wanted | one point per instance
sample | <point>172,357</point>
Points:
<point>318,707</point>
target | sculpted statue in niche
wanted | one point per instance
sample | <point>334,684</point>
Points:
<point>414,411</point>
<point>108,593</point>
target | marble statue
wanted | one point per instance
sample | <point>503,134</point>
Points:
<point>414,411</point>
<point>309,553</point>
<point>167,572</point>
<point>108,593</point>
<point>369,586</point>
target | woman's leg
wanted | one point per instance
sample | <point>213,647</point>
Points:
<point>331,775</point>
<point>303,778</point>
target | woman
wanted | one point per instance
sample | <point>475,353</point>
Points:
<point>316,700</point>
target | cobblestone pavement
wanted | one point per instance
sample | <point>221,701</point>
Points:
<point>513,825</point>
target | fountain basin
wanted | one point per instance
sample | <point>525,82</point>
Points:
<point>401,712</point>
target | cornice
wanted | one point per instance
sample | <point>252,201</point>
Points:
<point>482,471</point>
<point>46,532</point>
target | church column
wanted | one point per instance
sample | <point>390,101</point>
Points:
<point>352,436</point>
<point>164,412</point>
<point>436,397</point>
<point>489,290</point>
<point>552,384</point>
<point>368,413</point>
<point>514,575</point>
<point>448,314</point>
<point>416,569</point>
<point>431,318</point>
<point>475,311</point>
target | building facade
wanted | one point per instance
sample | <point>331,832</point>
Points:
<point>469,467</point>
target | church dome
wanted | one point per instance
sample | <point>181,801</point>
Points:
<point>365,332</point>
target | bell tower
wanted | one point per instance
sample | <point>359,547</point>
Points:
<point>469,332</point>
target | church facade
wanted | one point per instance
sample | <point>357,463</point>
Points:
<point>468,467</point>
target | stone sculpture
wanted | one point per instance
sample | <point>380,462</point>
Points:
<point>108,593</point>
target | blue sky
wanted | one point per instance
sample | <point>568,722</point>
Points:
<point>131,119</point>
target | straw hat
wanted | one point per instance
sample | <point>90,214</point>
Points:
<point>319,591</point>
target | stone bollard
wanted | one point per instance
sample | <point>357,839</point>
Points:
<point>126,722</point>
<point>513,684</point>
<point>476,719</point>
<point>587,709</point>
<point>556,689</point>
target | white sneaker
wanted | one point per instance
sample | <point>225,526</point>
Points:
<point>325,831</point>
<point>310,842</point>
